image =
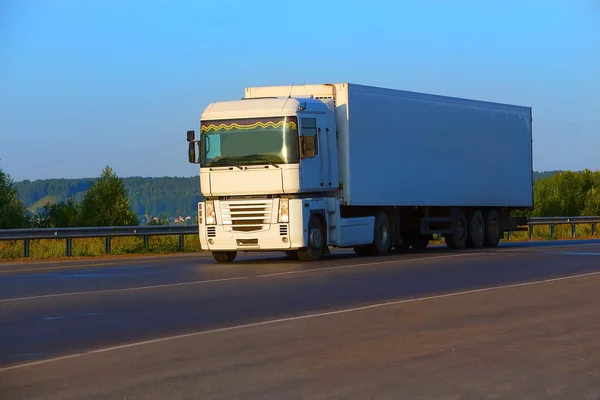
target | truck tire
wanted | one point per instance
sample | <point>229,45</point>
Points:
<point>493,230</point>
<point>315,241</point>
<point>224,256</point>
<point>381,238</point>
<point>458,238</point>
<point>476,231</point>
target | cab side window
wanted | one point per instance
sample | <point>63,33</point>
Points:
<point>309,128</point>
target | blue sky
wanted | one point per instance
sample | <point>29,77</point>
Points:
<point>84,84</point>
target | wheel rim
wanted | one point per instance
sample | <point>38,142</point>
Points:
<point>383,235</point>
<point>316,238</point>
<point>479,229</point>
<point>495,228</point>
<point>460,229</point>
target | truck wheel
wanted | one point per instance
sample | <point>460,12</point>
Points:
<point>458,238</point>
<point>493,231</point>
<point>383,234</point>
<point>381,238</point>
<point>224,256</point>
<point>476,231</point>
<point>315,241</point>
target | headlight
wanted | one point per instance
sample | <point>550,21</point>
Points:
<point>211,219</point>
<point>284,210</point>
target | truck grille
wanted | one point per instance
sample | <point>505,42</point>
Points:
<point>246,215</point>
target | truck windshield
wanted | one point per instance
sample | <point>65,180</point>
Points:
<point>249,141</point>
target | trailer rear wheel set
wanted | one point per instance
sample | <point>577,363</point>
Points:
<point>475,229</point>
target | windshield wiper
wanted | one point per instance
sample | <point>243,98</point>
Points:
<point>229,161</point>
<point>258,157</point>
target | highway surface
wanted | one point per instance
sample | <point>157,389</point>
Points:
<point>518,322</point>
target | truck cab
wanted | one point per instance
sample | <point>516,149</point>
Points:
<point>266,164</point>
<point>273,146</point>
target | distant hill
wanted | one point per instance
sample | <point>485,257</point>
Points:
<point>167,197</point>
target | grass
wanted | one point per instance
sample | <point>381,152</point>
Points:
<point>95,247</point>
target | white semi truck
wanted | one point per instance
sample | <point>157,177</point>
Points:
<point>303,169</point>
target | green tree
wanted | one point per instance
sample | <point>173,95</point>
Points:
<point>59,215</point>
<point>12,210</point>
<point>106,202</point>
<point>592,202</point>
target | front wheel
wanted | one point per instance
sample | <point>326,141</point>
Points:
<point>314,249</point>
<point>224,256</point>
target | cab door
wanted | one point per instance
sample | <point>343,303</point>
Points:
<point>312,149</point>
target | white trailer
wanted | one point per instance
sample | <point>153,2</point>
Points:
<point>301,169</point>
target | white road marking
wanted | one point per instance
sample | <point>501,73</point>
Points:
<point>370,264</point>
<point>572,253</point>
<point>47,296</point>
<point>516,250</point>
<point>93,314</point>
<point>290,319</point>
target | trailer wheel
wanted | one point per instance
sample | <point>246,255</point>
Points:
<point>476,231</point>
<point>224,256</point>
<point>315,241</point>
<point>458,238</point>
<point>493,230</point>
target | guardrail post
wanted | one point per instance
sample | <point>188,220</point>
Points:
<point>26,248</point>
<point>181,242</point>
<point>573,230</point>
<point>69,251</point>
<point>593,229</point>
<point>530,232</point>
<point>508,235</point>
<point>145,241</point>
<point>107,245</point>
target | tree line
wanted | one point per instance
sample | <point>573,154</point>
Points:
<point>151,197</point>
<point>106,202</point>
<point>567,193</point>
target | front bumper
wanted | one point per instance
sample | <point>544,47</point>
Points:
<point>273,237</point>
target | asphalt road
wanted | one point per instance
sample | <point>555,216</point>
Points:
<point>346,327</point>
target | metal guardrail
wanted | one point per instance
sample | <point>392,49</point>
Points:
<point>553,221</point>
<point>109,232</point>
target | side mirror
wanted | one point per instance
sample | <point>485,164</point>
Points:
<point>192,153</point>
<point>310,146</point>
<point>191,135</point>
